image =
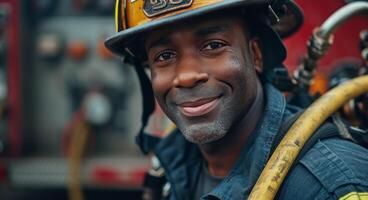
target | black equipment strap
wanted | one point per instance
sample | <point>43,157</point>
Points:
<point>153,186</point>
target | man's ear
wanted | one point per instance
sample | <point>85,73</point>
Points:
<point>256,53</point>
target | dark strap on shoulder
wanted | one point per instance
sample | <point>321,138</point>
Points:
<point>327,130</point>
<point>285,126</point>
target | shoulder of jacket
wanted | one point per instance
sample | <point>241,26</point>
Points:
<point>328,166</point>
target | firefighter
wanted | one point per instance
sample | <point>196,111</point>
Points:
<point>211,65</point>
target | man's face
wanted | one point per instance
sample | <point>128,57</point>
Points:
<point>203,75</point>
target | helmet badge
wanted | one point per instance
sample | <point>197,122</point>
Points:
<point>153,8</point>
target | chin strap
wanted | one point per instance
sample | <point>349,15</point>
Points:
<point>145,141</point>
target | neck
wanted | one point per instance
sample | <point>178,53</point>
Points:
<point>221,160</point>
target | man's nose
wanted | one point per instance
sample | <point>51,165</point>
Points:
<point>189,73</point>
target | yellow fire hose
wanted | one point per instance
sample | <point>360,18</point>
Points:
<point>281,160</point>
<point>76,150</point>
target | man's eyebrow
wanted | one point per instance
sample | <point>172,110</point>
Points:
<point>157,42</point>
<point>202,32</point>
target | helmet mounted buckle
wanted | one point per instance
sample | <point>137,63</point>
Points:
<point>273,16</point>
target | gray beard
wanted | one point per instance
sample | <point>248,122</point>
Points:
<point>204,133</point>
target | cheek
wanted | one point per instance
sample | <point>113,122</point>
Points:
<point>233,68</point>
<point>236,64</point>
<point>161,83</point>
<point>240,76</point>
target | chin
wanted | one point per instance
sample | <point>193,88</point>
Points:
<point>203,133</point>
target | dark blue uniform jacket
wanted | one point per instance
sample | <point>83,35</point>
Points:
<point>333,168</point>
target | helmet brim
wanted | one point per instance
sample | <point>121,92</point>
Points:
<point>119,41</point>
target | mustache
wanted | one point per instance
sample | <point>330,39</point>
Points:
<point>198,92</point>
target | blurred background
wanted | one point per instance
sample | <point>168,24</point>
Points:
<point>69,109</point>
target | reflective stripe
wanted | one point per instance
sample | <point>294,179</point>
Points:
<point>117,16</point>
<point>355,196</point>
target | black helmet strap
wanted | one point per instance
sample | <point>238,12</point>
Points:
<point>145,141</point>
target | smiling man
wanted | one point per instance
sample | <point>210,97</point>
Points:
<point>211,63</point>
<point>204,78</point>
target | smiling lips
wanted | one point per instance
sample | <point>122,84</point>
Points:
<point>198,108</point>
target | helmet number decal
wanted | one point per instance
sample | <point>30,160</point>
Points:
<point>153,8</point>
<point>158,4</point>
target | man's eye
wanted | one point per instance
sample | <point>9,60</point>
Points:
<point>165,56</point>
<point>213,45</point>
